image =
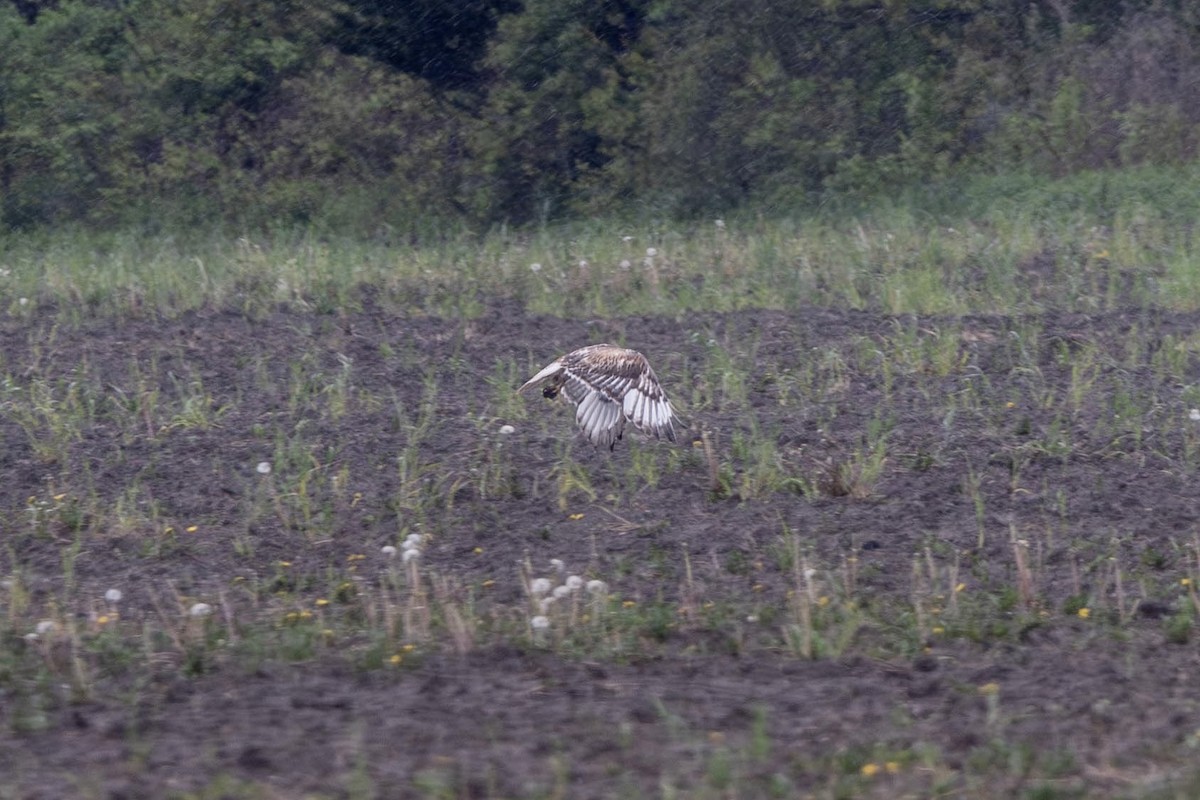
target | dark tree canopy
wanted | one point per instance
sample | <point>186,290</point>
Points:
<point>440,41</point>
<point>518,110</point>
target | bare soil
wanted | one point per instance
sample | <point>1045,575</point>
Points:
<point>1107,705</point>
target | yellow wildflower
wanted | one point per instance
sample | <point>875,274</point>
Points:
<point>870,770</point>
<point>192,528</point>
<point>1084,612</point>
<point>575,516</point>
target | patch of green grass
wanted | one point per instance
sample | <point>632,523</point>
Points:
<point>981,256</point>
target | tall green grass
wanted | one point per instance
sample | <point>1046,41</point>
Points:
<point>1010,243</point>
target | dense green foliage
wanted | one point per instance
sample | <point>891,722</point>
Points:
<point>369,114</point>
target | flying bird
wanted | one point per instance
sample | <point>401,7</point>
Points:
<point>609,386</point>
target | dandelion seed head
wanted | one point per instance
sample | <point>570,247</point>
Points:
<point>625,263</point>
<point>560,592</point>
<point>388,550</point>
<point>545,604</point>
<point>45,627</point>
<point>535,267</point>
<point>540,586</point>
<point>626,239</point>
<point>720,223</point>
<point>200,610</point>
<point>651,252</point>
<point>539,623</point>
<point>557,565</point>
<point>411,554</point>
<point>24,301</point>
<point>596,587</point>
<point>1194,415</point>
<point>263,468</point>
<point>583,264</point>
<point>113,595</point>
<point>507,430</point>
<point>574,583</point>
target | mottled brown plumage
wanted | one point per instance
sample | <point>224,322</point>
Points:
<point>609,387</point>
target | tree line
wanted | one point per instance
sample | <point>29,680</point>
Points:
<point>371,111</point>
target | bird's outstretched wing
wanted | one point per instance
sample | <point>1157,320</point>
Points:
<point>609,387</point>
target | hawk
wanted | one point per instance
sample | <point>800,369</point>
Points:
<point>609,386</point>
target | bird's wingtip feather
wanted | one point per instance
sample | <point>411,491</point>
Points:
<point>545,372</point>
